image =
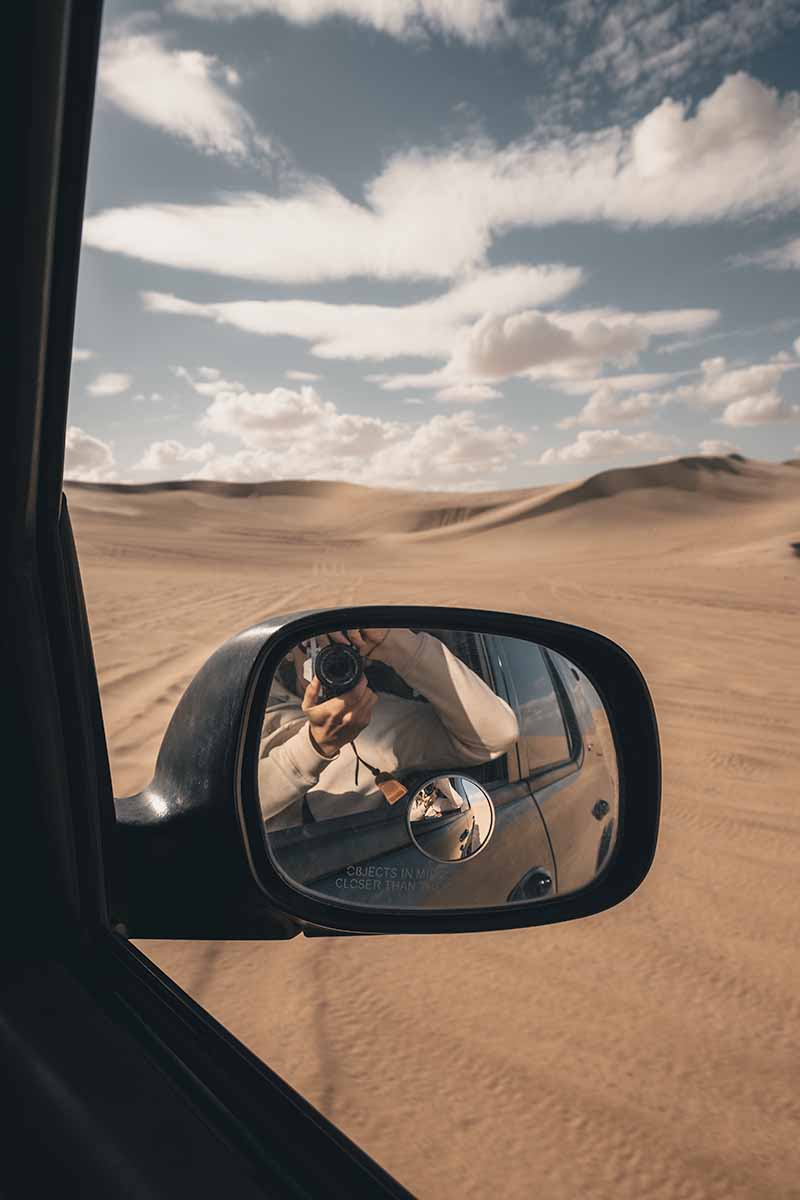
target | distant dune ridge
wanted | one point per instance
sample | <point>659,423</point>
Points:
<point>619,1057</point>
<point>356,511</point>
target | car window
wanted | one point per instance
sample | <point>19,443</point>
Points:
<point>471,648</point>
<point>544,740</point>
<point>584,699</point>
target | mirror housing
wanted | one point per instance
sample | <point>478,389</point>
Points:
<point>193,861</point>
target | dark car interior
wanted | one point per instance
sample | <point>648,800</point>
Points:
<point>115,1083</point>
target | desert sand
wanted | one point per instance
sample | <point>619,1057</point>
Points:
<point>652,1051</point>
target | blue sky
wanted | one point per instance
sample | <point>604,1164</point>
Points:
<point>438,243</point>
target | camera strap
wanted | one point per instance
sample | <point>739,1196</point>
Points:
<point>392,788</point>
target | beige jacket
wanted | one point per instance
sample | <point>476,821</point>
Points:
<point>464,723</point>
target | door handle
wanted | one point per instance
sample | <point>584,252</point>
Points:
<point>533,886</point>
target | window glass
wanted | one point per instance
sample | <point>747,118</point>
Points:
<point>543,734</point>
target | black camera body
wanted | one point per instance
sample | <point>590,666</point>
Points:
<point>338,669</point>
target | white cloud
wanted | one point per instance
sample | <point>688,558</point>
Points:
<point>760,410</point>
<point>81,355</point>
<point>607,406</point>
<point>640,48</point>
<point>641,381</point>
<point>87,458</point>
<point>178,92</point>
<point>796,346</point>
<point>595,445</point>
<point>413,400</point>
<point>474,21</point>
<point>574,377</point>
<point>303,376</point>
<point>502,346</point>
<point>164,456</point>
<point>208,381</point>
<point>714,448</point>
<point>721,383</point>
<point>568,344</point>
<point>433,214</point>
<point>426,329</point>
<point>420,379</point>
<point>778,258</point>
<point>468,393</point>
<point>276,429</point>
<point>110,383</point>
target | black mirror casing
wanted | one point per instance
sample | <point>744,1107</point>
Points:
<point>194,859</point>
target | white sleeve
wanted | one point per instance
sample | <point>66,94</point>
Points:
<point>289,764</point>
<point>479,723</point>
<point>287,770</point>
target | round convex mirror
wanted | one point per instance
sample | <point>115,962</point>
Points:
<point>450,818</point>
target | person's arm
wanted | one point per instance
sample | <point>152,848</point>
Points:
<point>480,724</point>
<point>287,770</point>
<point>298,740</point>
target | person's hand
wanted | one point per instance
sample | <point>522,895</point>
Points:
<point>334,723</point>
<point>362,640</point>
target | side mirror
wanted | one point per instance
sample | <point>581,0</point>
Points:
<point>395,770</point>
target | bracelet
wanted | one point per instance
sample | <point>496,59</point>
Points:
<point>327,757</point>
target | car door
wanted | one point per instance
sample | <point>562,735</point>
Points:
<point>371,857</point>
<point>567,777</point>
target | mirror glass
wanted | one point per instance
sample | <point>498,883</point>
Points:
<point>450,818</point>
<point>435,768</point>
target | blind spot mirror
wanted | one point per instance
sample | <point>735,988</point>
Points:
<point>450,818</point>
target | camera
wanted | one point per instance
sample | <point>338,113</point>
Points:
<point>338,669</point>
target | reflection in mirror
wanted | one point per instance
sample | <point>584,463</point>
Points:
<point>450,818</point>
<point>434,768</point>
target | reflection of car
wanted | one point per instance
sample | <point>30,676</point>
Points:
<point>554,794</point>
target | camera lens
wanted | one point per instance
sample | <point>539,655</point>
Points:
<point>338,669</point>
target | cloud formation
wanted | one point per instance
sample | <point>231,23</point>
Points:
<point>433,214</point>
<point>597,444</point>
<point>275,429</point>
<point>425,329</point>
<point>641,48</point>
<point>714,448</point>
<point>207,381</point>
<point>785,257</point>
<point>473,21</point>
<point>502,346</point>
<point>608,406</point>
<point>759,410</point>
<point>749,393</point>
<point>88,459</point>
<point>559,345</point>
<point>167,455</point>
<point>181,92</point>
<point>468,393</point>
<point>629,382</point>
<point>81,355</point>
<point>110,383</point>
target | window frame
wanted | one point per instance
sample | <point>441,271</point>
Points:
<point>100,1046</point>
<point>561,767</point>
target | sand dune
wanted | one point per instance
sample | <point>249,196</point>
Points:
<point>344,511</point>
<point>648,1052</point>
